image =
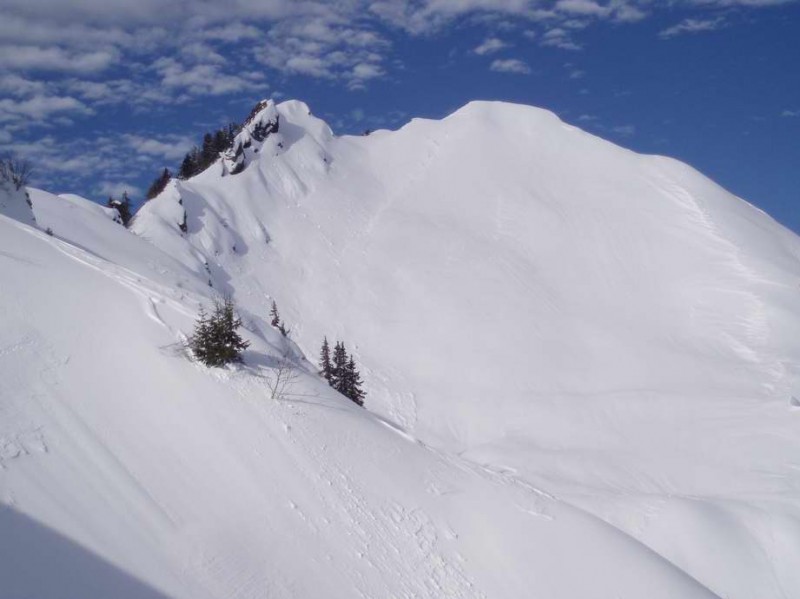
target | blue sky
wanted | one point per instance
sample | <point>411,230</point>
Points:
<point>102,94</point>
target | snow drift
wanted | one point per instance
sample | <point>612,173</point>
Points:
<point>579,363</point>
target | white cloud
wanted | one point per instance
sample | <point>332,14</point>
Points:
<point>363,72</point>
<point>16,85</point>
<point>116,91</point>
<point>205,79</point>
<point>38,108</point>
<point>171,147</point>
<point>29,58</point>
<point>490,46</point>
<point>617,10</point>
<point>117,188</point>
<point>328,49</point>
<point>202,53</point>
<point>624,130</point>
<point>314,66</point>
<point>233,32</point>
<point>790,113</point>
<point>742,3</point>
<point>628,13</point>
<point>583,7</point>
<point>693,26</point>
<point>510,65</point>
<point>559,38</point>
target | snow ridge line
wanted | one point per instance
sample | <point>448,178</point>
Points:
<point>140,284</point>
<point>755,325</point>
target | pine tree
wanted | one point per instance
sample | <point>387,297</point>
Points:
<point>326,368</point>
<point>341,372</point>
<point>232,342</point>
<point>190,165</point>
<point>215,341</point>
<point>123,208</point>
<point>185,169</point>
<point>233,131</point>
<point>221,141</point>
<point>209,152</point>
<point>353,383</point>
<point>159,184</point>
<point>338,372</point>
<point>200,342</point>
<point>276,320</point>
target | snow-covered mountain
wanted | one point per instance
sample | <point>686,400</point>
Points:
<point>579,363</point>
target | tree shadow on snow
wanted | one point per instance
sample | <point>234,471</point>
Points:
<point>38,562</point>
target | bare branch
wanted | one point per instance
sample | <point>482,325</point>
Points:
<point>282,379</point>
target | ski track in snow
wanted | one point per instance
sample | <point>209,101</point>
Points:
<point>152,293</point>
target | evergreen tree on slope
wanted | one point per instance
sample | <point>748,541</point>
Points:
<point>337,380</point>
<point>215,341</point>
<point>159,184</point>
<point>326,367</point>
<point>353,382</point>
<point>276,320</point>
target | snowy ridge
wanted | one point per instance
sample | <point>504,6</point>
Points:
<point>579,364</point>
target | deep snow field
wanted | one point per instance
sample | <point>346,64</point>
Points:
<point>580,363</point>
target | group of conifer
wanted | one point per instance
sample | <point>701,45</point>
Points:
<point>216,342</point>
<point>340,371</point>
<point>199,159</point>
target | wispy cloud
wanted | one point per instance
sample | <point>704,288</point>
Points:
<point>510,65</point>
<point>38,108</point>
<point>688,26</point>
<point>559,38</point>
<point>117,188</point>
<point>170,147</point>
<point>36,58</point>
<point>624,130</point>
<point>490,46</point>
<point>205,79</point>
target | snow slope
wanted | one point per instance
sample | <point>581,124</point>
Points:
<point>150,476</point>
<point>615,328</point>
<point>579,360</point>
